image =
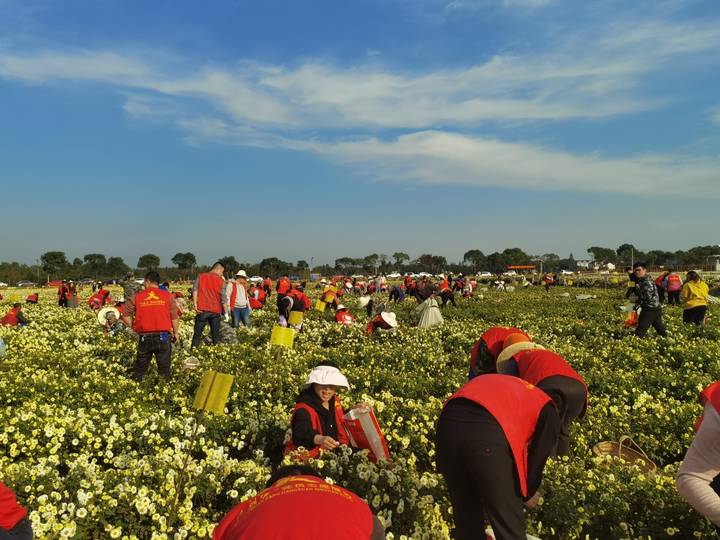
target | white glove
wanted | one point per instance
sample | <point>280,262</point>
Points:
<point>227,317</point>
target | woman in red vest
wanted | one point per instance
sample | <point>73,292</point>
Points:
<point>14,317</point>
<point>343,316</point>
<point>299,504</point>
<point>14,523</point>
<point>317,419</point>
<point>702,462</point>
<point>493,438</point>
<point>32,298</point>
<point>553,375</point>
<point>485,351</point>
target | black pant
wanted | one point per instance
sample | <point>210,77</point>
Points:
<point>674,298</point>
<point>650,316</point>
<point>695,315</point>
<point>201,319</point>
<point>570,396</point>
<point>447,296</point>
<point>661,294</point>
<point>21,531</point>
<point>475,459</point>
<point>150,345</point>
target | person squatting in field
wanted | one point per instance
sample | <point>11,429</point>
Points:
<point>15,317</point>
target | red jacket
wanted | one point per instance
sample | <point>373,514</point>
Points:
<point>32,298</point>
<point>11,318</point>
<point>300,299</point>
<point>317,426</point>
<point>516,405</point>
<point>152,311</point>
<point>344,317</point>
<point>209,292</point>
<point>283,285</point>
<point>256,303</point>
<point>298,508</point>
<point>11,513</point>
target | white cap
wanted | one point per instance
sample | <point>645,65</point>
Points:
<point>390,318</point>
<point>340,306</point>
<point>241,273</point>
<point>327,375</point>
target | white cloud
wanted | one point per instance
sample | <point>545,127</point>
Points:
<point>433,157</point>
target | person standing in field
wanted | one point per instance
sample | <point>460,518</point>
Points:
<point>694,299</point>
<point>153,315</point>
<point>649,302</point>
<point>239,304</point>
<point>673,285</point>
<point>661,283</point>
<point>209,297</point>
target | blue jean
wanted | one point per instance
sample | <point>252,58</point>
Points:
<point>241,314</point>
<point>21,531</point>
<point>201,319</point>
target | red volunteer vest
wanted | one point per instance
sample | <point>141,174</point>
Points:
<point>233,295</point>
<point>342,437</point>
<point>11,513</point>
<point>343,317</point>
<point>674,283</point>
<point>283,286</point>
<point>11,318</point>
<point>515,404</point>
<point>493,338</point>
<point>256,303</point>
<point>32,298</point>
<point>301,508</point>
<point>152,311</point>
<point>209,292</point>
<point>537,365</point>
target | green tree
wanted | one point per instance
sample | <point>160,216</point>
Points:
<point>149,261</point>
<point>53,262</point>
<point>231,265</point>
<point>602,255</point>
<point>96,264</point>
<point>475,259</point>
<point>77,261</point>
<point>116,267</point>
<point>432,263</point>
<point>184,260</point>
<point>274,267</point>
<point>370,262</point>
<point>400,258</point>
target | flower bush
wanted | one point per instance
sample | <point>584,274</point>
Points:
<point>93,454</point>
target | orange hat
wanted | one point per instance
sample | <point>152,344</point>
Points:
<point>512,339</point>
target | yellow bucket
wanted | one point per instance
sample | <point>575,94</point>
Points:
<point>213,392</point>
<point>282,336</point>
<point>320,305</point>
<point>296,317</point>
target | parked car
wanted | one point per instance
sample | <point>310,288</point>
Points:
<point>25,283</point>
<point>484,275</point>
<point>510,273</point>
<point>3,284</point>
<point>567,272</point>
<point>86,281</point>
<point>394,275</point>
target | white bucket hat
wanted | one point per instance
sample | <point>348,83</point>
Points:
<point>327,375</point>
<point>508,352</point>
<point>241,273</point>
<point>104,312</point>
<point>390,318</point>
<point>340,306</point>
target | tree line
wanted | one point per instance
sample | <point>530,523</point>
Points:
<point>55,264</point>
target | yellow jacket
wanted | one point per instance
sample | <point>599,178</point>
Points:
<point>694,294</point>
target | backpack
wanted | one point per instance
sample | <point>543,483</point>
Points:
<point>674,283</point>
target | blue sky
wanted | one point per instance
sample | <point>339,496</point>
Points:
<point>339,128</point>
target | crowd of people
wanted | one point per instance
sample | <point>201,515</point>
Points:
<point>494,434</point>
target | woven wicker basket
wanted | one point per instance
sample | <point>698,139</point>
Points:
<point>620,449</point>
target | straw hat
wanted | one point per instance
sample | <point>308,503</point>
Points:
<point>327,375</point>
<point>104,312</point>
<point>390,318</point>
<point>340,307</point>
<point>191,362</point>
<point>508,352</point>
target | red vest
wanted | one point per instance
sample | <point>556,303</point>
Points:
<point>515,404</point>
<point>233,295</point>
<point>11,319</point>
<point>283,286</point>
<point>11,513</point>
<point>342,437</point>
<point>301,508</point>
<point>674,283</point>
<point>209,292</point>
<point>300,299</point>
<point>256,303</point>
<point>536,365</point>
<point>152,311</point>
<point>32,298</point>
<point>493,338</point>
<point>343,317</point>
